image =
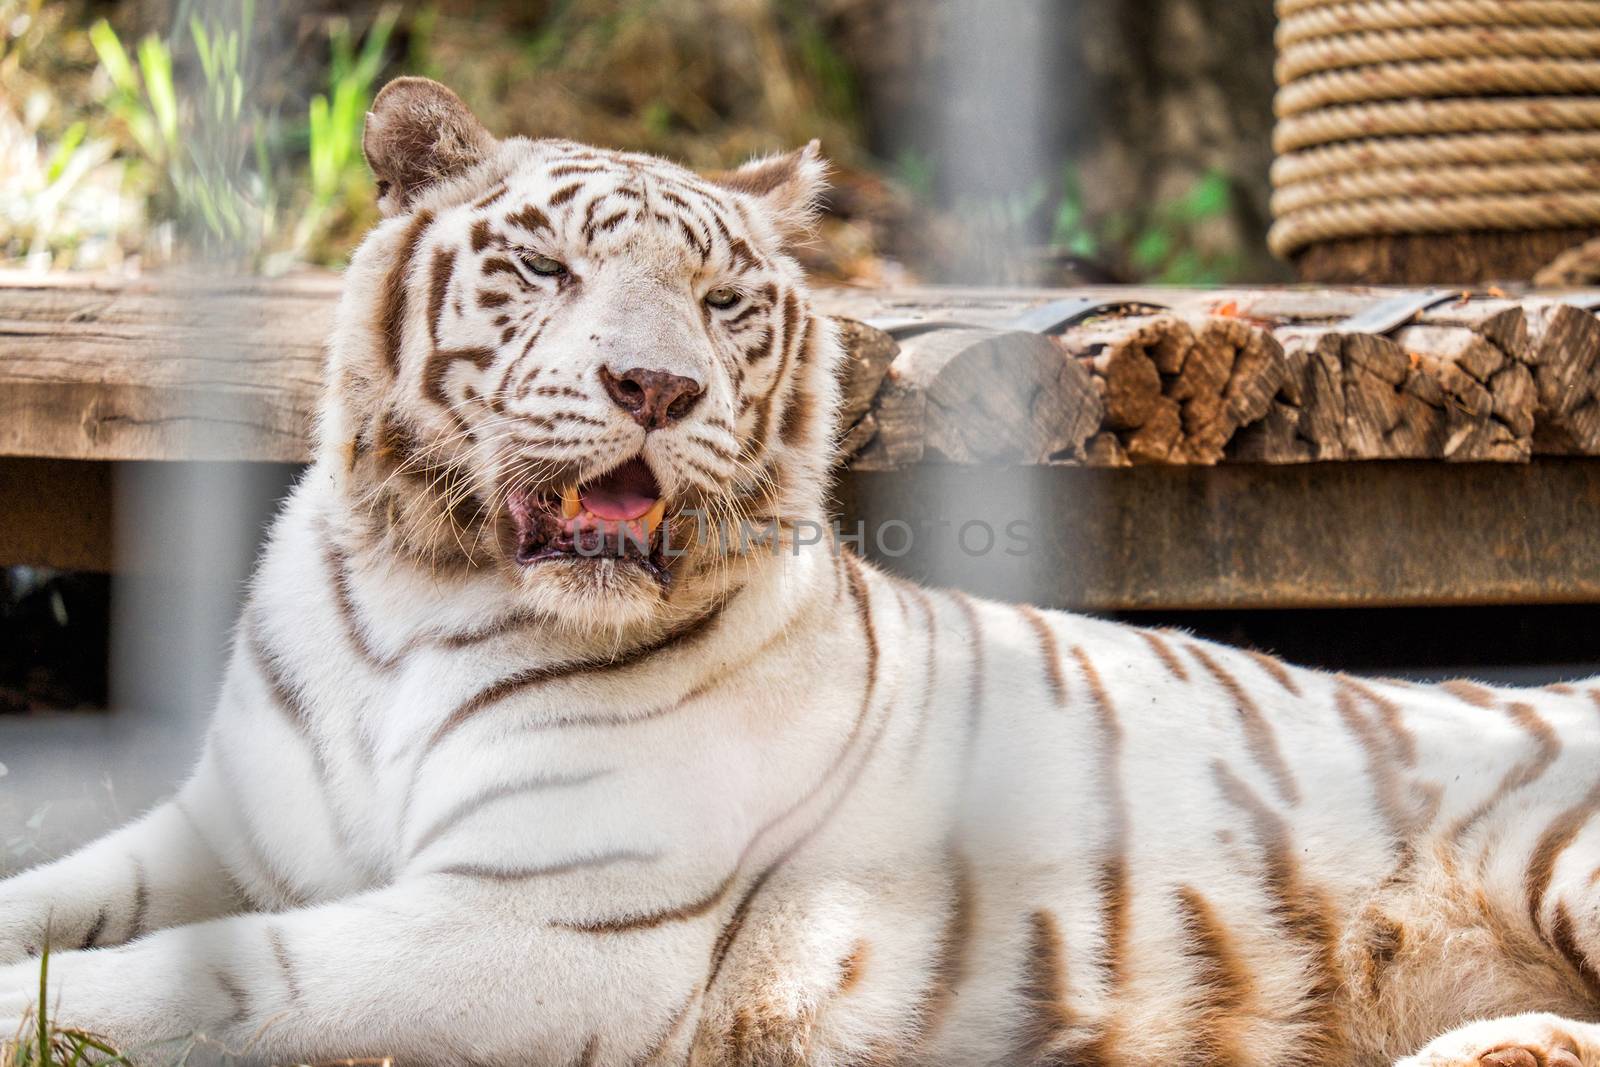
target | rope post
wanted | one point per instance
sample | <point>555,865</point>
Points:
<point>1422,141</point>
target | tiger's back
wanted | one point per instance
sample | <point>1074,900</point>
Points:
<point>1151,848</point>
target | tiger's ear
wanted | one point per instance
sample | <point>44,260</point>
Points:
<point>788,186</point>
<point>419,134</point>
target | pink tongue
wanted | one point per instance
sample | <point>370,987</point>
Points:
<point>623,495</point>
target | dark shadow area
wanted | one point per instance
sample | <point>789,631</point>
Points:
<point>55,632</point>
<point>1515,645</point>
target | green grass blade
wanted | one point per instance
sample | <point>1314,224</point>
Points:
<point>371,59</point>
<point>108,46</point>
<point>70,140</point>
<point>202,44</point>
<point>323,177</point>
<point>155,61</point>
<point>43,1010</point>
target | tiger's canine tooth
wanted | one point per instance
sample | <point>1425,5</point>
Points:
<point>570,504</point>
<point>652,518</point>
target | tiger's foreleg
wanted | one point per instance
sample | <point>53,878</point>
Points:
<point>158,871</point>
<point>437,969</point>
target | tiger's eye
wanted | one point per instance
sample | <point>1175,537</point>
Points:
<point>544,265</point>
<point>722,297</point>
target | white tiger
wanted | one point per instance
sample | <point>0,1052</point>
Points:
<point>475,795</point>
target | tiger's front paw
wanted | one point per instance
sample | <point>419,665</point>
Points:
<point>1531,1040</point>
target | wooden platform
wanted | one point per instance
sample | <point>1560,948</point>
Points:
<point>1170,448</point>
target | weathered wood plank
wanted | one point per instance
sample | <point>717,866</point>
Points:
<point>167,369</point>
<point>1168,538</point>
<point>1239,536</point>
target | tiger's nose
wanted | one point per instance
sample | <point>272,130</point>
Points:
<point>655,398</point>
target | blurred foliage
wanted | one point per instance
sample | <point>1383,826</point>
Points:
<point>341,203</point>
<point>1173,242</point>
<point>213,131</point>
<point>237,181</point>
<point>190,180</point>
<point>708,82</point>
<point>64,196</point>
<point>166,153</point>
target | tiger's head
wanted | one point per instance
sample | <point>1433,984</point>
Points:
<point>590,371</point>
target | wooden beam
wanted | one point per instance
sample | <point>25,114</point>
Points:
<point>1168,538</point>
<point>1236,536</point>
<point>56,513</point>
<point>173,368</point>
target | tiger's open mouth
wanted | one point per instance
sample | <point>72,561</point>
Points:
<point>616,516</point>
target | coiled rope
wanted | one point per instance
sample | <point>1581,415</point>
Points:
<point>1435,116</point>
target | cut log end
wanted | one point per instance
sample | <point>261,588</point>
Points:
<point>1176,391</point>
<point>983,396</point>
<point>1565,356</point>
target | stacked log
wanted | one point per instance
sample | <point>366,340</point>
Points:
<point>1175,390</point>
<point>974,395</point>
<point>1424,394</point>
<point>1285,378</point>
<point>868,353</point>
<point>1563,346</point>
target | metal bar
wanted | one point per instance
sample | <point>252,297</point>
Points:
<point>1059,314</point>
<point>1393,313</point>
